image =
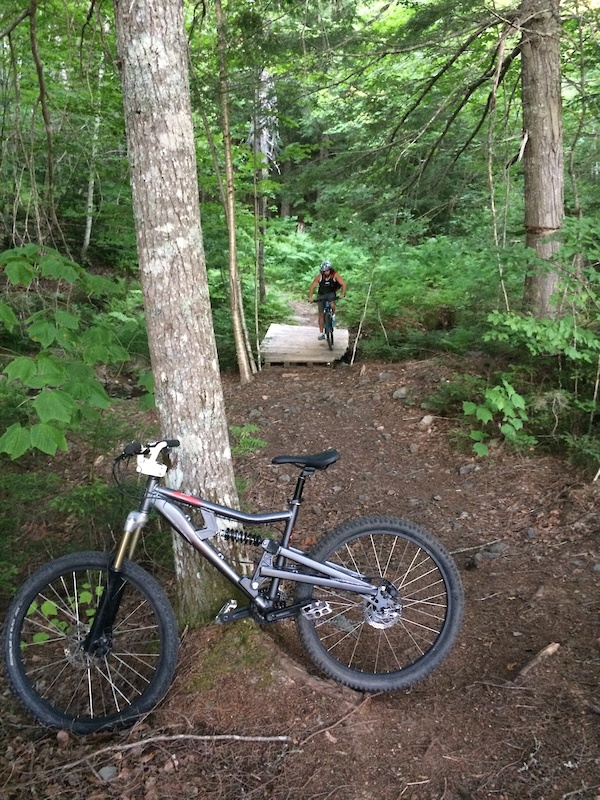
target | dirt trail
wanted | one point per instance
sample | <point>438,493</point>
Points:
<point>493,722</point>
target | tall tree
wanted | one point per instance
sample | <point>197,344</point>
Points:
<point>543,154</point>
<point>245,364</point>
<point>152,52</point>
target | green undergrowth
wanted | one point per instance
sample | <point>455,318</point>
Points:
<point>43,515</point>
<point>24,518</point>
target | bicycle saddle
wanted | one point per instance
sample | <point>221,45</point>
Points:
<point>316,461</point>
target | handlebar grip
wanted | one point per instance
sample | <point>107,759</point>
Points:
<point>132,449</point>
<point>172,442</point>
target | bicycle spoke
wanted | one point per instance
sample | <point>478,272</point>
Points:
<point>376,641</point>
<point>53,664</point>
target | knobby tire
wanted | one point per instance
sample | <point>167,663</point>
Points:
<point>329,329</point>
<point>358,646</point>
<point>59,684</point>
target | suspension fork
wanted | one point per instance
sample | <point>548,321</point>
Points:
<point>98,642</point>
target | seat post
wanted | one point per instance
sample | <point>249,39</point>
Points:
<point>306,473</point>
<point>295,506</point>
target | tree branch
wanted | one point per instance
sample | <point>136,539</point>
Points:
<point>491,98</point>
<point>434,79</point>
<point>14,23</point>
<point>470,90</point>
<point>178,737</point>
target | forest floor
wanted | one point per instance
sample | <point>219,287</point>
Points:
<point>504,717</point>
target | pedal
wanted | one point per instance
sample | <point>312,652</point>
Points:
<point>230,612</point>
<point>316,610</point>
<point>230,605</point>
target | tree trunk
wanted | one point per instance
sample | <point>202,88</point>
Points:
<point>235,293</point>
<point>152,52</point>
<point>89,206</point>
<point>543,156</point>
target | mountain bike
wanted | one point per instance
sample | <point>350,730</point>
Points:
<point>328,320</point>
<point>90,640</point>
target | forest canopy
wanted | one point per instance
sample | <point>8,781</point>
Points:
<point>443,155</point>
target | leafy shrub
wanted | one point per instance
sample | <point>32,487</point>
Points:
<point>449,397</point>
<point>502,410</point>
<point>86,501</point>
<point>60,317</point>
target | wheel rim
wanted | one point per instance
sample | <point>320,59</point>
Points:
<point>385,638</point>
<point>75,684</point>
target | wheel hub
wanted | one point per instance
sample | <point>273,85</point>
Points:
<point>383,609</point>
<point>74,651</point>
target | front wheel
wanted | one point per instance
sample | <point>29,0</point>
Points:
<point>329,329</point>
<point>59,683</point>
<point>376,646</point>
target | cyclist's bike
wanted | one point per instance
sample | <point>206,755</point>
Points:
<point>90,640</point>
<point>328,320</point>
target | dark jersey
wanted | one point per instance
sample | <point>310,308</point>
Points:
<point>328,284</point>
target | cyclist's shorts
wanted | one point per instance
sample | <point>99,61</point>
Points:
<point>322,298</point>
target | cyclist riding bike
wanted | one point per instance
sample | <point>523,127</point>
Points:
<point>328,282</point>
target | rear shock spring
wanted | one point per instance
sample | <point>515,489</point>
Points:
<point>242,537</point>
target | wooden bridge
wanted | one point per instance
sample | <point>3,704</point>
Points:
<point>299,344</point>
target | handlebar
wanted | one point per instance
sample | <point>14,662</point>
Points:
<point>136,448</point>
<point>333,299</point>
<point>147,456</point>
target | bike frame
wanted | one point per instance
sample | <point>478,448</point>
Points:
<point>270,571</point>
<point>272,564</point>
<point>327,312</point>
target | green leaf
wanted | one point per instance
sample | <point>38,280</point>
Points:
<point>53,404</point>
<point>19,272</point>
<point>7,317</point>
<point>147,402</point>
<point>484,414</point>
<point>469,407</point>
<point>146,379</point>
<point>15,441</point>
<point>51,371</point>
<point>479,436</point>
<point>481,449</point>
<point>118,315</point>
<point>48,609</point>
<point>43,332</point>
<point>64,319</point>
<point>22,369</point>
<point>47,438</point>
<point>97,285</point>
<point>508,430</point>
<point>54,266</point>
<point>101,345</point>
<point>91,392</point>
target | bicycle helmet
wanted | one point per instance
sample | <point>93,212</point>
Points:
<point>325,266</point>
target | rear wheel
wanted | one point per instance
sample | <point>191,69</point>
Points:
<point>44,632</point>
<point>391,640</point>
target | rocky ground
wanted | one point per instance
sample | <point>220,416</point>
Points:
<point>514,712</point>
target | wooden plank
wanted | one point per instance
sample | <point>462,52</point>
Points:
<point>299,344</point>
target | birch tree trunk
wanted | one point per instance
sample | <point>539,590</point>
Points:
<point>153,59</point>
<point>89,206</point>
<point>543,156</point>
